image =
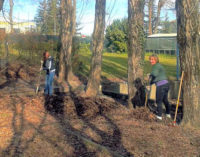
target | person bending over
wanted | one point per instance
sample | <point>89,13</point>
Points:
<point>158,77</point>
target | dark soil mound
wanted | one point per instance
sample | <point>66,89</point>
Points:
<point>79,106</point>
<point>143,113</point>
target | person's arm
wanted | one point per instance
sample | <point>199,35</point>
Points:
<point>154,73</point>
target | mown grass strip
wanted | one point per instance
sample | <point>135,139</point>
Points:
<point>115,65</point>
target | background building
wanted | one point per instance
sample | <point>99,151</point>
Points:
<point>20,27</point>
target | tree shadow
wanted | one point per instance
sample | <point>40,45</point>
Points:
<point>110,141</point>
<point>55,106</point>
<point>18,144</point>
<point>16,140</point>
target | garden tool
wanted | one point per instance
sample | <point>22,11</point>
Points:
<point>177,104</point>
<point>38,82</point>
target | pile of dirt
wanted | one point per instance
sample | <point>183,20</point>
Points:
<point>18,70</point>
<point>60,105</point>
<point>91,107</point>
<point>143,113</point>
<point>74,106</point>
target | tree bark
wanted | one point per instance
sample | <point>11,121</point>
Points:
<point>188,29</point>
<point>11,15</point>
<point>1,4</point>
<point>97,47</point>
<point>150,7</point>
<point>68,9</point>
<point>160,5</point>
<point>135,46</point>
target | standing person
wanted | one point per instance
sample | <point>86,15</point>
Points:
<point>48,65</point>
<point>158,77</point>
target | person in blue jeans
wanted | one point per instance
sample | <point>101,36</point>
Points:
<point>158,77</point>
<point>49,67</point>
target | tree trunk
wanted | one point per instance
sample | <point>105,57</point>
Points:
<point>150,7</point>
<point>67,31</point>
<point>188,29</point>
<point>97,47</point>
<point>11,15</point>
<point>1,4</point>
<point>135,46</point>
<point>160,5</point>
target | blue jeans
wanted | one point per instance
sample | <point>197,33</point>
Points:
<point>162,97</point>
<point>48,90</point>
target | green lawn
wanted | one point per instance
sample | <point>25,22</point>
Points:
<point>115,65</point>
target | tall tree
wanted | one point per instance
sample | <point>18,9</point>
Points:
<point>52,17</point>
<point>150,10</point>
<point>68,24</point>
<point>135,45</point>
<point>97,47</point>
<point>11,15</point>
<point>1,4</point>
<point>188,28</point>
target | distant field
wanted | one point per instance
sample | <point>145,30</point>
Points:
<point>115,65</point>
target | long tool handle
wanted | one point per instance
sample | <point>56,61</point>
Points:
<point>146,99</point>
<point>38,83</point>
<point>179,93</point>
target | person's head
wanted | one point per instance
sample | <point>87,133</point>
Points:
<point>153,59</point>
<point>46,55</point>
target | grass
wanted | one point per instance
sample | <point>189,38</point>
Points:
<point>115,65</point>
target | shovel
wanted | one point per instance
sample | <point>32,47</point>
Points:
<point>38,82</point>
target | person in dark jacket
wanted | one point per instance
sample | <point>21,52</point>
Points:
<point>158,77</point>
<point>48,65</point>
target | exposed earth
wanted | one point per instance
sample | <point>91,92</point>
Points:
<point>69,125</point>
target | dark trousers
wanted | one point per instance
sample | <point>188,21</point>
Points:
<point>162,96</point>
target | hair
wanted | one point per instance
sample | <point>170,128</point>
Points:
<point>44,54</point>
<point>155,57</point>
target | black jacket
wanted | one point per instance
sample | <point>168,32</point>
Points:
<point>48,65</point>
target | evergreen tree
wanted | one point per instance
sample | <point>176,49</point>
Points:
<point>41,17</point>
<point>47,18</point>
<point>53,13</point>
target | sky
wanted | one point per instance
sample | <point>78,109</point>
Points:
<point>25,10</point>
<point>115,9</point>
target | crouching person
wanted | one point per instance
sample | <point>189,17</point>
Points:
<point>48,65</point>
